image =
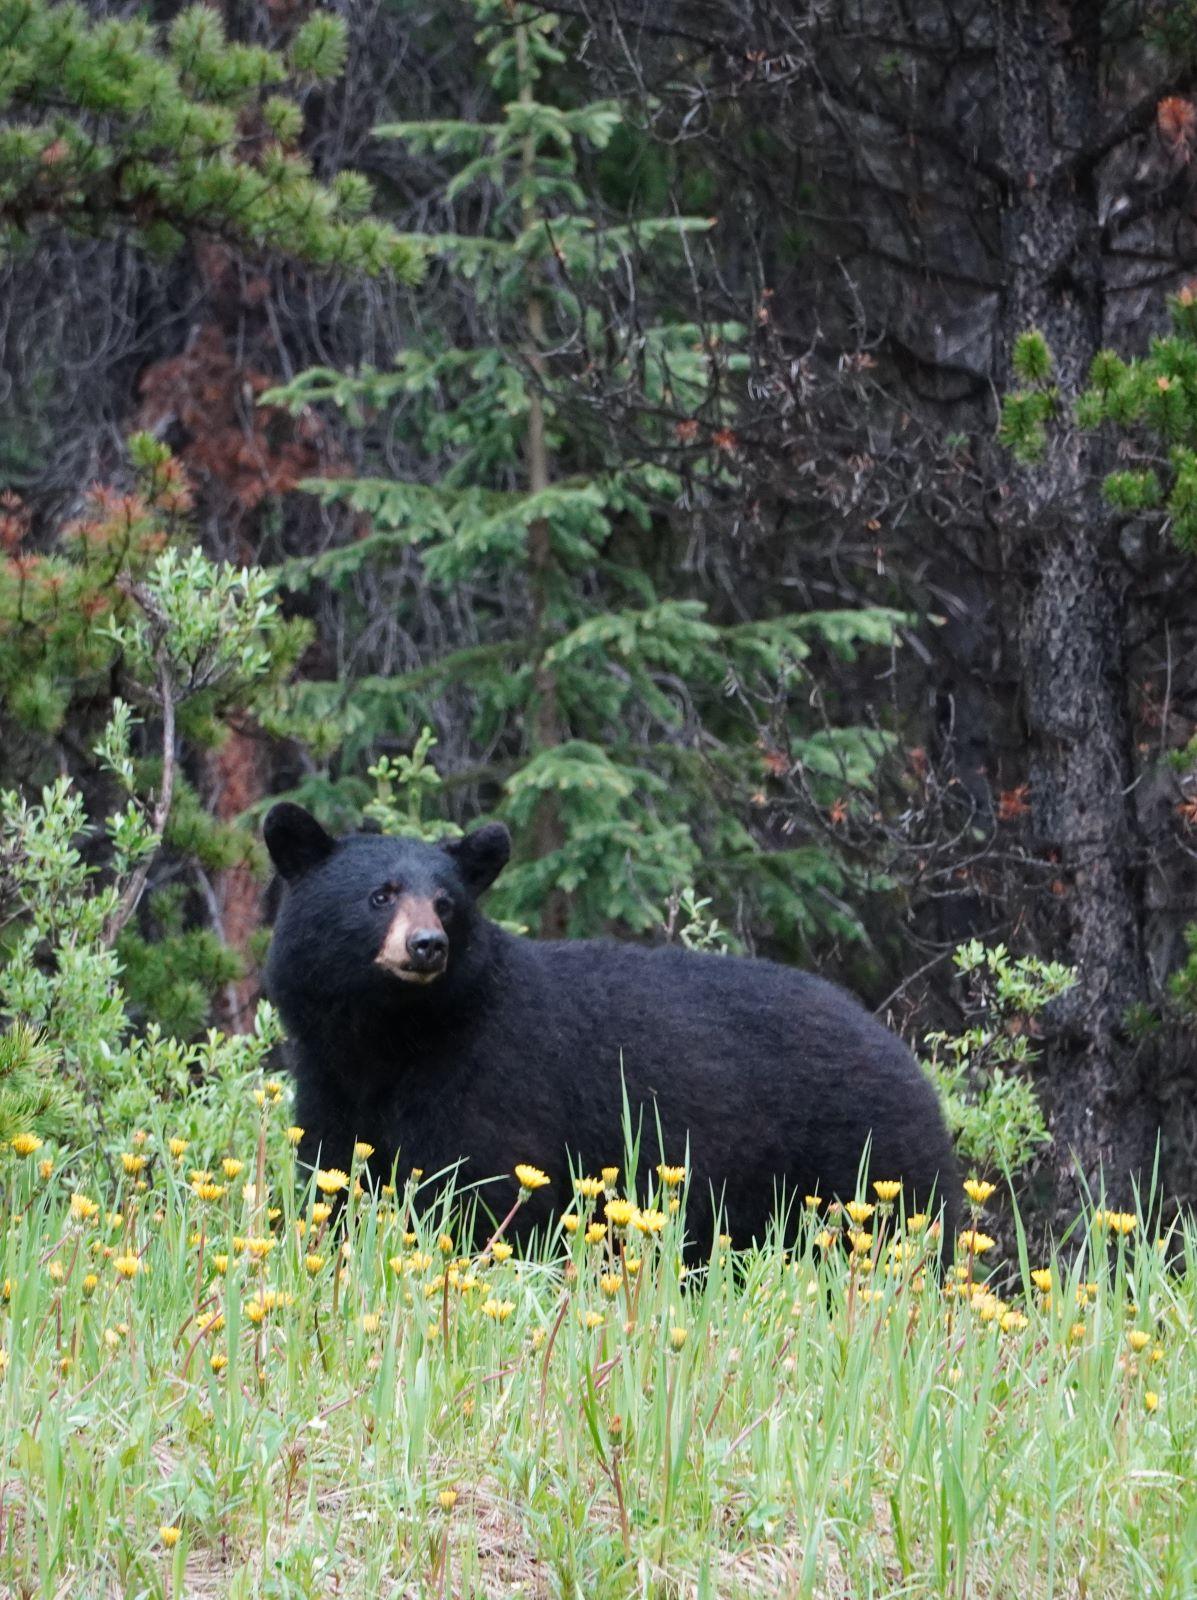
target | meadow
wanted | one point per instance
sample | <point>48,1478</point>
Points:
<point>211,1386</point>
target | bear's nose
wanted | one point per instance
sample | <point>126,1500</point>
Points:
<point>428,948</point>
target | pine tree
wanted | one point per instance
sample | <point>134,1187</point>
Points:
<point>616,711</point>
<point>171,133</point>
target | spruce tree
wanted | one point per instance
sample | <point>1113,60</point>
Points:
<point>616,709</point>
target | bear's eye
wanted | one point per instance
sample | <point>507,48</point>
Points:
<point>442,905</point>
<point>380,897</point>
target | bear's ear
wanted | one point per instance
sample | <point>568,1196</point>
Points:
<point>481,855</point>
<point>295,839</point>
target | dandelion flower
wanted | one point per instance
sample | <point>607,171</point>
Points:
<point>1013,1321</point>
<point>619,1212</point>
<point>671,1177</point>
<point>25,1144</point>
<point>1077,1332</point>
<point>178,1147</point>
<point>650,1221</point>
<point>860,1241</point>
<point>677,1338</point>
<point>331,1179</point>
<point>596,1233</point>
<point>90,1284</point>
<point>570,1222</point>
<point>217,1361</point>
<point>887,1190</point>
<point>589,1188</point>
<point>530,1178</point>
<point>497,1310</point>
<point>133,1164</point>
<point>45,1168</point>
<point>169,1534</point>
<point>916,1222</point>
<point>448,1499</point>
<point>974,1243</point>
<point>362,1150</point>
<point>231,1166</point>
<point>978,1190</point>
<point>1041,1277</point>
<point>260,1248</point>
<point>370,1322</point>
<point>1138,1340</point>
<point>609,1176</point>
<point>294,1134</point>
<point>825,1239</point>
<point>502,1251</point>
<point>592,1319</point>
<point>811,1202</point>
<point>859,1211</point>
<point>1151,1400</point>
<point>127,1266</point>
<point>611,1283</point>
<point>1121,1221</point>
<point>83,1209</point>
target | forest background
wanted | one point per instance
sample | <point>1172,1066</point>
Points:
<point>750,447</point>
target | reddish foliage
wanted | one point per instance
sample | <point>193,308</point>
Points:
<point>1176,119</point>
<point>1013,803</point>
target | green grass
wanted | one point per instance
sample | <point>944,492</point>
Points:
<point>406,1422</point>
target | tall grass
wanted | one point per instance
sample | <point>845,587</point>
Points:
<point>229,1396</point>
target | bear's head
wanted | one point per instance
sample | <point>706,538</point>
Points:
<point>371,914</point>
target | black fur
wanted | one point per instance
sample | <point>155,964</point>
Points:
<point>775,1077</point>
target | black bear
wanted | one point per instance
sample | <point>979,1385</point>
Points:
<point>423,1029</point>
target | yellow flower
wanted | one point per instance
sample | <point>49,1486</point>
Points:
<point>1041,1277</point>
<point>321,1211</point>
<point>259,1097</point>
<point>1151,1400</point>
<point>83,1209</point>
<point>448,1499</point>
<point>611,1283</point>
<point>210,1191</point>
<point>916,1222</point>
<point>362,1150</point>
<point>671,1176</point>
<point>619,1212</point>
<point>589,1188</point>
<point>169,1534</point>
<point>502,1251</point>
<point>255,1311</point>
<point>330,1180</point>
<point>90,1283</point>
<point>592,1319</point>
<point>974,1243</point>
<point>45,1168</point>
<point>677,1338</point>
<point>1138,1340</point>
<point>260,1248</point>
<point>650,1221</point>
<point>199,1175</point>
<point>570,1222</point>
<point>498,1310</point>
<point>370,1321</point>
<point>887,1190</point>
<point>273,1088</point>
<point>530,1178</point>
<point>221,1263</point>
<point>609,1176</point>
<point>127,1266</point>
<point>1013,1321</point>
<point>56,1271</point>
<point>132,1164</point>
<point>313,1263</point>
<point>218,1362</point>
<point>859,1211</point>
<point>978,1190</point>
<point>595,1233</point>
<point>25,1144</point>
<point>860,1241</point>
<point>825,1239</point>
<point>1077,1332</point>
<point>811,1202</point>
<point>231,1166</point>
<point>294,1134</point>
<point>177,1147</point>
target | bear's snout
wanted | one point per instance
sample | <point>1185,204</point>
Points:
<point>416,947</point>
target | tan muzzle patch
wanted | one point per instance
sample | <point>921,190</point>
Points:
<point>411,915</point>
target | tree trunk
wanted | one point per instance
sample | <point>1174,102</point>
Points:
<point>1060,540</point>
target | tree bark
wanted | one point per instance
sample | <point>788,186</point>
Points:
<point>1060,539</point>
